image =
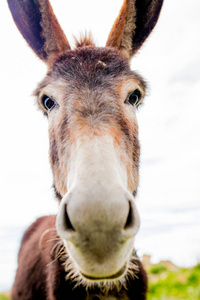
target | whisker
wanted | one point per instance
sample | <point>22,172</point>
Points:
<point>61,252</point>
<point>55,239</point>
<point>43,235</point>
<point>59,243</point>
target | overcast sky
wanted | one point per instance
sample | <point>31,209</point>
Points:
<point>169,193</point>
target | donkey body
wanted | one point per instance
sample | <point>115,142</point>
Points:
<point>40,276</point>
<point>90,97</point>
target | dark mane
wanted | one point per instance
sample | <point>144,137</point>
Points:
<point>85,40</point>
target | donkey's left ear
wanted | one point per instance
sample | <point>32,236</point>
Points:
<point>38,25</point>
<point>135,22</point>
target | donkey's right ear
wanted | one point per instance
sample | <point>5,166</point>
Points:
<point>37,23</point>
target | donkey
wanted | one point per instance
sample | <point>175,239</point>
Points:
<point>90,97</point>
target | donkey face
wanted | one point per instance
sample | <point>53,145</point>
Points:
<point>90,96</point>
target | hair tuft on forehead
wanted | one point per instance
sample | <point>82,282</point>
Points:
<point>85,40</point>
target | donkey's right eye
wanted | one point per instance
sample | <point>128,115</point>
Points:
<point>48,103</point>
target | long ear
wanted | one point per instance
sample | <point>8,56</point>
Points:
<point>37,23</point>
<point>135,22</point>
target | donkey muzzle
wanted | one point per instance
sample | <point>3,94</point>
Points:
<point>98,232</point>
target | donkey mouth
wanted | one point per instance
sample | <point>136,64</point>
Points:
<point>102,278</point>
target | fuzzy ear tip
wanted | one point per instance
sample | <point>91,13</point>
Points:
<point>136,20</point>
<point>38,25</point>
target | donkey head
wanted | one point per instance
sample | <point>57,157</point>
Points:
<point>90,97</point>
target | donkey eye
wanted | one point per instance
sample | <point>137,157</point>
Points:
<point>47,102</point>
<point>134,98</point>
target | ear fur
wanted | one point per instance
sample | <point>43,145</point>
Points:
<point>37,23</point>
<point>135,22</point>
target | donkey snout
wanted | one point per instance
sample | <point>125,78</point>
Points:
<point>98,231</point>
<point>85,214</point>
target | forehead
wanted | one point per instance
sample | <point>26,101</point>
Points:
<point>90,67</point>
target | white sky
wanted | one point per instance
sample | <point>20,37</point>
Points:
<point>169,193</point>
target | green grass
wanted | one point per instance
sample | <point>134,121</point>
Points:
<point>3,297</point>
<point>183,284</point>
<point>164,284</point>
<point>157,269</point>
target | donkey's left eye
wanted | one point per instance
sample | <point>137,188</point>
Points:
<point>134,98</point>
<point>47,102</point>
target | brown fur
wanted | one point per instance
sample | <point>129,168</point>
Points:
<point>91,106</point>
<point>123,29</point>
<point>43,32</point>
<point>84,41</point>
<point>55,40</point>
<point>135,22</point>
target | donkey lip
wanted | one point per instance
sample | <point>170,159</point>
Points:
<point>115,276</point>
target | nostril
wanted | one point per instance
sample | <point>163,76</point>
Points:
<point>130,219</point>
<point>68,223</point>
